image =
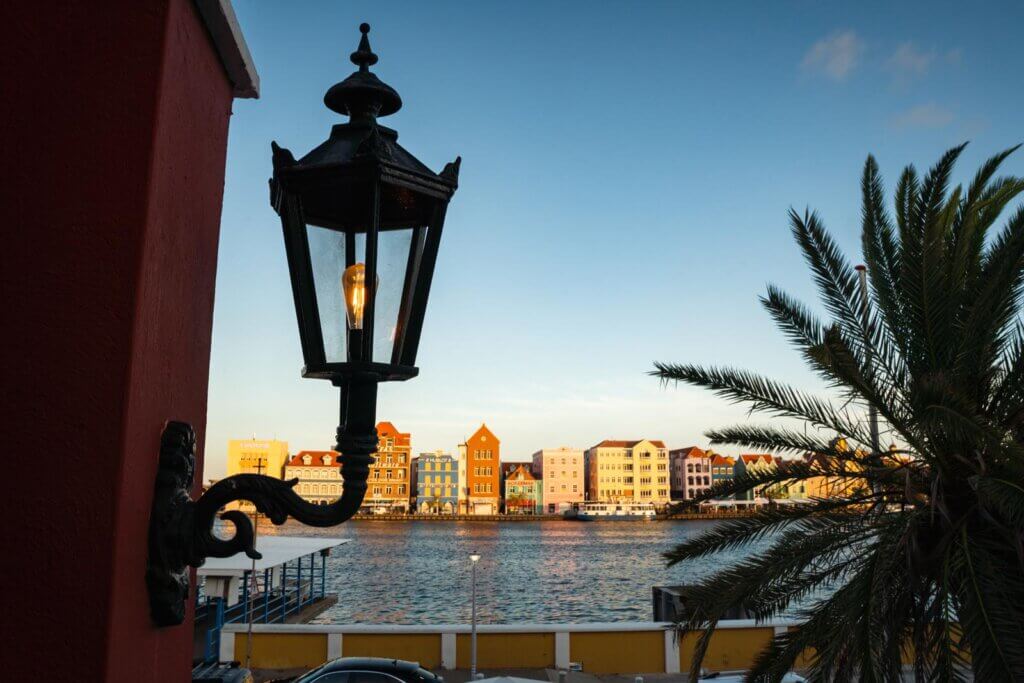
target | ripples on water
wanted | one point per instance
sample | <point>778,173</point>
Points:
<point>551,571</point>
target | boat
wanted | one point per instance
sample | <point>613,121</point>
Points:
<point>588,512</point>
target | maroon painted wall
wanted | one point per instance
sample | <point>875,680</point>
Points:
<point>115,130</point>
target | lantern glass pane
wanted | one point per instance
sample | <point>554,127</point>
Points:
<point>329,257</point>
<point>392,261</point>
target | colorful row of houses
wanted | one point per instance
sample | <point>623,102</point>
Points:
<point>477,482</point>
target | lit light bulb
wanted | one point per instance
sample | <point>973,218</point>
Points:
<point>353,285</point>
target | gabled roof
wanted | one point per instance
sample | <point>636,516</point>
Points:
<point>388,429</point>
<point>750,458</point>
<point>481,432</point>
<point>520,472</point>
<point>691,452</point>
<point>723,460</point>
<point>296,460</point>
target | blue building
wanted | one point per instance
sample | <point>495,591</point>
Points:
<point>437,483</point>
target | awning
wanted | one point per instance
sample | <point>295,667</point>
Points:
<point>276,550</point>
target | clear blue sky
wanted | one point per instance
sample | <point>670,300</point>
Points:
<point>626,173</point>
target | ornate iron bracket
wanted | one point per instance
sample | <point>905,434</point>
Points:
<point>181,530</point>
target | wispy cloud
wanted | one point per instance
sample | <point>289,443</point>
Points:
<point>909,62</point>
<point>835,56</point>
<point>929,115</point>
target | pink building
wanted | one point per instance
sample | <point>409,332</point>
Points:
<point>691,472</point>
<point>561,470</point>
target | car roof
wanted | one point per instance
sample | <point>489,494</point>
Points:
<point>376,664</point>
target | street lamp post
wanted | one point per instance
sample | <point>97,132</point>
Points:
<point>362,221</point>
<point>473,558</point>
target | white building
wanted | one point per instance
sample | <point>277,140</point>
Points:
<point>319,475</point>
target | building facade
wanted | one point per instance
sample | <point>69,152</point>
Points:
<point>255,456</point>
<point>628,471</point>
<point>389,487</point>
<point>563,473</point>
<point>722,468</point>
<point>523,492</point>
<point>757,462</point>
<point>482,453</point>
<point>437,483</point>
<point>691,472</point>
<point>319,475</point>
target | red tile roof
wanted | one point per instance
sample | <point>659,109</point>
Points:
<point>387,429</point>
<point>691,452</point>
<point>754,457</point>
<point>721,460</point>
<point>296,460</point>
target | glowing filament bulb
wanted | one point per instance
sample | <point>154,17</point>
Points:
<point>353,285</point>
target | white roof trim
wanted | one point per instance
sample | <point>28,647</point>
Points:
<point>220,20</point>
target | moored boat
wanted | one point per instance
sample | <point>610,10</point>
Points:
<point>593,511</point>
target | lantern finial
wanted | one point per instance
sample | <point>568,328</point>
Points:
<point>363,96</point>
<point>363,57</point>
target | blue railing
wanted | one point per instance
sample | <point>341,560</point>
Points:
<point>303,581</point>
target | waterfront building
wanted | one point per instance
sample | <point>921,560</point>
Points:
<point>482,452</point>
<point>437,483</point>
<point>523,492</point>
<point>562,472</point>
<point>722,468</point>
<point>319,475</point>
<point>255,456</point>
<point>757,462</point>
<point>388,487</point>
<point>691,472</point>
<point>628,471</point>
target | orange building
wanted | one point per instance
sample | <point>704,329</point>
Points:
<point>390,482</point>
<point>481,454</point>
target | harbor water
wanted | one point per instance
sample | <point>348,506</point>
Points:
<point>418,572</point>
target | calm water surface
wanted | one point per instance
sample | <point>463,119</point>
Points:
<point>552,571</point>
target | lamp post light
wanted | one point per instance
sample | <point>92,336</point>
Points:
<point>362,221</point>
<point>473,558</point>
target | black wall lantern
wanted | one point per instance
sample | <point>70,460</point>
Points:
<point>362,222</point>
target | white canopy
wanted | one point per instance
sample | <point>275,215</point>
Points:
<point>276,550</point>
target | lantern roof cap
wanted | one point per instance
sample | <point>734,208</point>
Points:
<point>363,96</point>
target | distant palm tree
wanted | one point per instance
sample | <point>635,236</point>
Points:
<point>922,556</point>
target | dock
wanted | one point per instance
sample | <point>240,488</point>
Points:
<point>288,585</point>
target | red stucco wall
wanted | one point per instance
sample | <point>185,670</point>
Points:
<point>115,129</point>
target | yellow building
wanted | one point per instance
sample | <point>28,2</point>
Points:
<point>628,471</point>
<point>256,456</point>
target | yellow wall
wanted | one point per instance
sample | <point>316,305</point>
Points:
<point>619,652</point>
<point>730,649</point>
<point>283,650</point>
<point>507,650</point>
<point>600,652</point>
<point>424,648</point>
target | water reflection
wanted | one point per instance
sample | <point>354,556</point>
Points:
<point>419,572</point>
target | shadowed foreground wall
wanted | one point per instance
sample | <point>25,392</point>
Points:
<point>115,129</point>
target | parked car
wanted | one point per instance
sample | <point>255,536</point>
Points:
<point>369,670</point>
<point>221,673</point>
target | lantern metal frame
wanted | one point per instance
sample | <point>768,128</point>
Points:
<point>360,162</point>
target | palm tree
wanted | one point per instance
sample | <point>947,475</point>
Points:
<point>921,554</point>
